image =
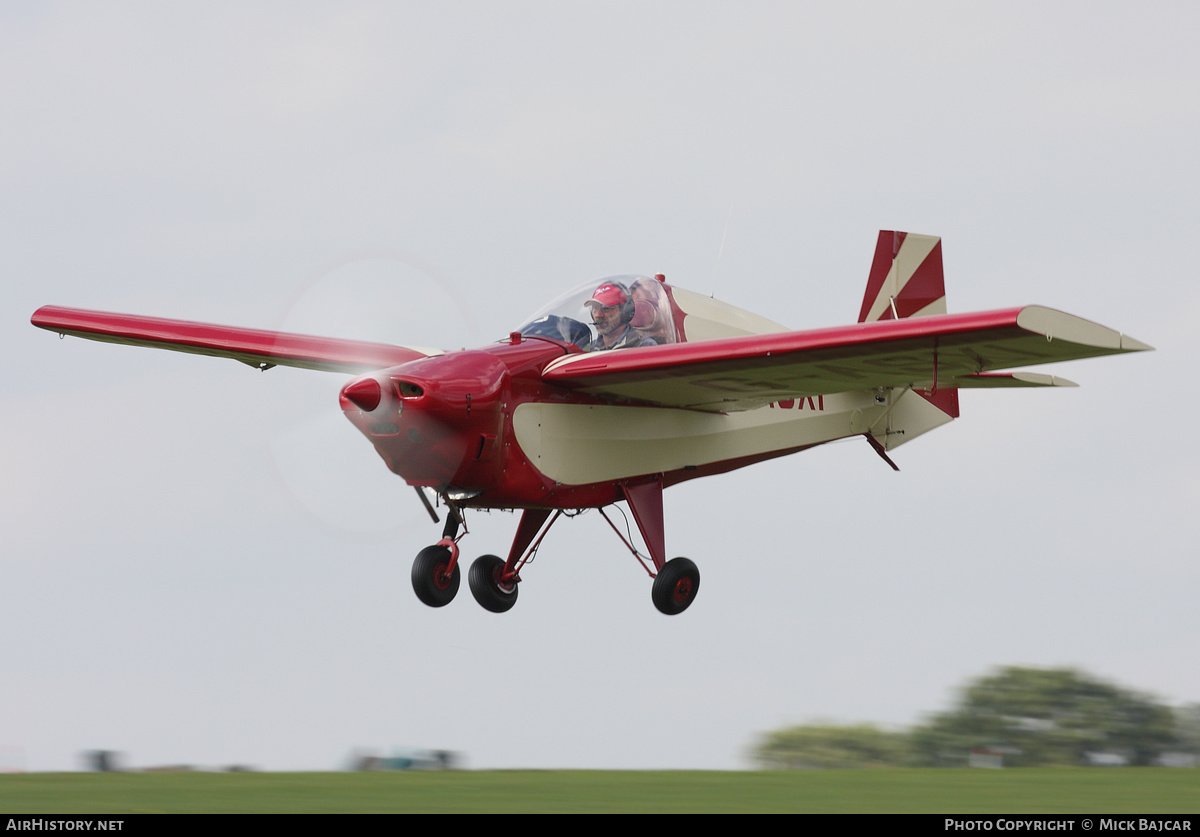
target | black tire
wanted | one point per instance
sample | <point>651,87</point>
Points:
<point>676,586</point>
<point>429,579</point>
<point>484,579</point>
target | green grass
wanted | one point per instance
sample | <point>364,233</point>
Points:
<point>1052,790</point>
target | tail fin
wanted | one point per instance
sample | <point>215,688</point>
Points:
<point>906,281</point>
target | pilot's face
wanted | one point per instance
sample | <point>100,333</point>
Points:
<point>607,319</point>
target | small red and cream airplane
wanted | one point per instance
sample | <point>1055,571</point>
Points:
<point>623,387</point>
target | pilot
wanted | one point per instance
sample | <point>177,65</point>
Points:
<point>612,310</point>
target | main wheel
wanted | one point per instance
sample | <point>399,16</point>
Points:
<point>675,586</point>
<point>432,584</point>
<point>486,586</point>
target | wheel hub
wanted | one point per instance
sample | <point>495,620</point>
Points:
<point>683,590</point>
<point>441,578</point>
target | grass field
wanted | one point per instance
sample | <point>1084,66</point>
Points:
<point>1061,790</point>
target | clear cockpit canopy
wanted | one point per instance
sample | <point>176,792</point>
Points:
<point>647,312</point>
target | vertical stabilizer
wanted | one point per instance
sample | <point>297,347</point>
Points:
<point>905,279</point>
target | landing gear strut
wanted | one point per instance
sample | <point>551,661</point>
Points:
<point>677,581</point>
<point>493,580</point>
<point>435,573</point>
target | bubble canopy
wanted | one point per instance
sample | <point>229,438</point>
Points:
<point>569,317</point>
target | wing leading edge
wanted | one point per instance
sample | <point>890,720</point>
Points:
<point>255,347</point>
<point>934,352</point>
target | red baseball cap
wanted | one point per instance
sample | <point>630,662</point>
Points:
<point>608,295</point>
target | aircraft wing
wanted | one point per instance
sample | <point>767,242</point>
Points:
<point>260,349</point>
<point>939,351</point>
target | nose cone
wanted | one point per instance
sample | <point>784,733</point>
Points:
<point>365,393</point>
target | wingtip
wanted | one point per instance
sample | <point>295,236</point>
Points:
<point>1058,325</point>
<point>39,317</point>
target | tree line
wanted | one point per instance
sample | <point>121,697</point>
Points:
<point>1016,717</point>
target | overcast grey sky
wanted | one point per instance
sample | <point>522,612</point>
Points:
<point>204,564</point>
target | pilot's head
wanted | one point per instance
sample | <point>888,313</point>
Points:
<point>612,307</point>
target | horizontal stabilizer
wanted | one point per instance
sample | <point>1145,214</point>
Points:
<point>258,348</point>
<point>1005,380</point>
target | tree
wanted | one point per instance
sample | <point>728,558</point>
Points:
<point>1187,729</point>
<point>830,746</point>
<point>1047,717</point>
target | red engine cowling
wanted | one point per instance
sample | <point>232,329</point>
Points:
<point>437,421</point>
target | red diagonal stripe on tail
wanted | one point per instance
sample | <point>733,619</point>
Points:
<point>900,286</point>
<point>886,249</point>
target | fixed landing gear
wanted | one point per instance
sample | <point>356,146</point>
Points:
<point>434,580</point>
<point>487,585</point>
<point>495,582</point>
<point>435,573</point>
<point>675,586</point>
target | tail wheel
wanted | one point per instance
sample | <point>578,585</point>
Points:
<point>432,584</point>
<point>486,586</point>
<point>676,586</point>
